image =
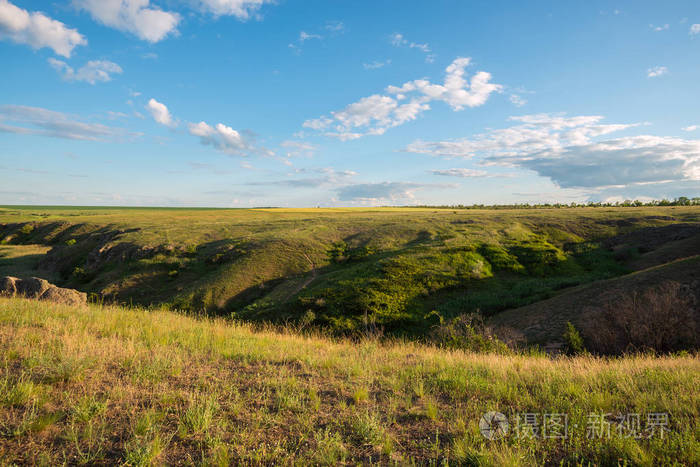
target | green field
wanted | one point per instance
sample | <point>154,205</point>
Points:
<point>103,385</point>
<point>396,271</point>
<point>352,336</point>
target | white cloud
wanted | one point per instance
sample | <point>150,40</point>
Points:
<point>335,26</point>
<point>691,128</point>
<point>517,100</point>
<point>464,173</point>
<point>305,36</point>
<point>298,148</point>
<point>37,30</point>
<point>538,132</point>
<point>659,28</point>
<point>375,114</point>
<point>160,113</point>
<point>321,177</point>
<point>379,192</point>
<point>241,9</point>
<point>376,64</point>
<point>657,71</point>
<point>566,150</point>
<point>134,16</point>
<point>92,72</point>
<point>226,139</point>
<point>694,29</point>
<point>619,162</point>
<point>398,40</point>
<point>43,122</point>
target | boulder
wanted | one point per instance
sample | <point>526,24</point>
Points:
<point>32,287</point>
<point>8,286</point>
<point>64,296</point>
<point>40,289</point>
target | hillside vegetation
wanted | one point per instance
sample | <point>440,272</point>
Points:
<point>107,385</point>
<point>397,271</point>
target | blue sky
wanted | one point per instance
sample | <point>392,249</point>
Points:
<point>238,103</point>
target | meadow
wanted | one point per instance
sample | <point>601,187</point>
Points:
<point>397,271</point>
<point>108,385</point>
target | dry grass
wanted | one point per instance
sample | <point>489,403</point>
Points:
<point>103,385</point>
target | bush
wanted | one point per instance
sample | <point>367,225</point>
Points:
<point>573,340</point>
<point>71,242</point>
<point>337,251</point>
<point>500,258</point>
<point>80,274</point>
<point>468,332</point>
<point>27,229</point>
<point>538,256</point>
<point>660,319</point>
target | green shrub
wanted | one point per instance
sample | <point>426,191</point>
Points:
<point>500,258</point>
<point>538,256</point>
<point>71,242</point>
<point>27,229</point>
<point>80,274</point>
<point>337,251</point>
<point>573,340</point>
<point>468,332</point>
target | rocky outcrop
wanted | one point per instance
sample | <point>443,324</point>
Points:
<point>40,289</point>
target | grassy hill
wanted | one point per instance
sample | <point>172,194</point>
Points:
<point>544,322</point>
<point>107,385</point>
<point>398,270</point>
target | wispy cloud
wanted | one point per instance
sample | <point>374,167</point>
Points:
<point>302,39</point>
<point>463,173</point>
<point>93,72</point>
<point>398,40</point>
<point>21,119</point>
<point>659,28</point>
<point>657,71</point>
<point>376,64</point>
<point>337,27</point>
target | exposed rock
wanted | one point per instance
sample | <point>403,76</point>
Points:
<point>8,286</point>
<point>40,289</point>
<point>32,287</point>
<point>64,296</point>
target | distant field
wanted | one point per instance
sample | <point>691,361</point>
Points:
<point>398,271</point>
<point>104,385</point>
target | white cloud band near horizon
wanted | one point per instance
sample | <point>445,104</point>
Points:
<point>567,150</point>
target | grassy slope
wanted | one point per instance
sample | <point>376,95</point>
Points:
<point>108,385</point>
<point>256,262</point>
<point>545,321</point>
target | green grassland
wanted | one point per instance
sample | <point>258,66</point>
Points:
<point>106,385</point>
<point>400,271</point>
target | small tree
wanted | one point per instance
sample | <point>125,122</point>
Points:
<point>573,340</point>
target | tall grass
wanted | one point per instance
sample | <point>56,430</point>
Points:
<point>148,387</point>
